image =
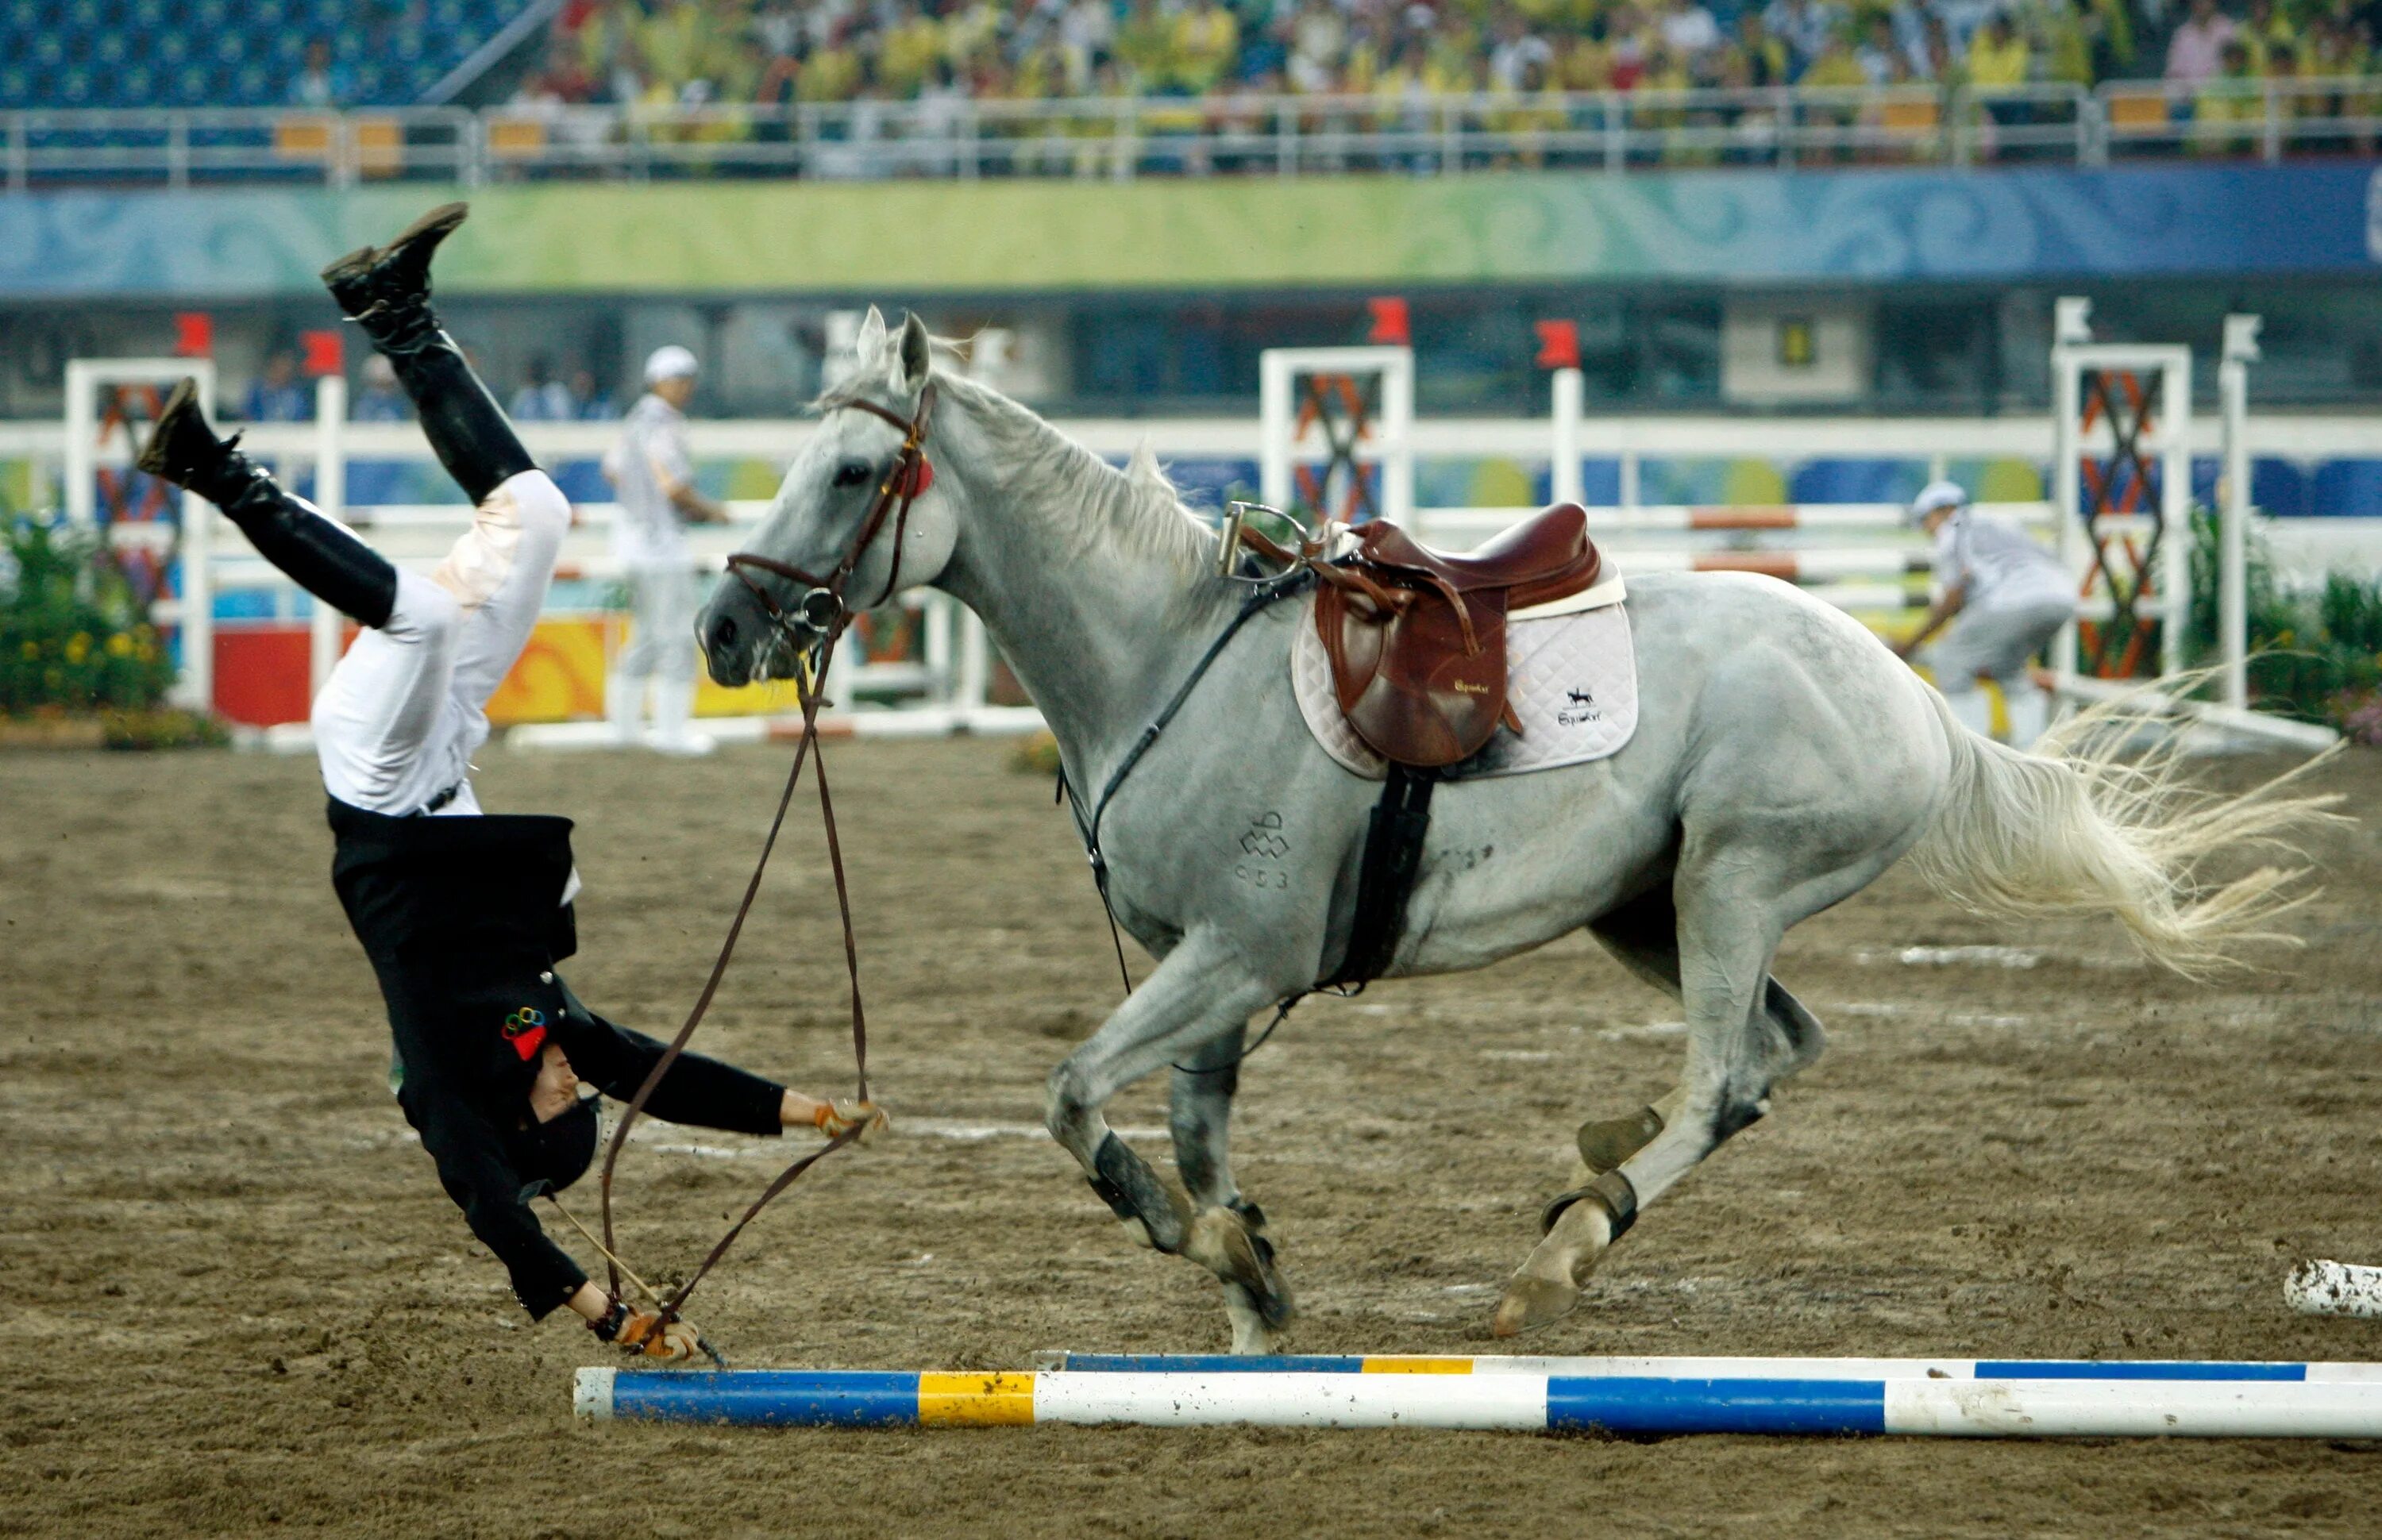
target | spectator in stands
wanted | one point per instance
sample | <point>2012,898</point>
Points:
<point>1881,59</point>
<point>2229,108</point>
<point>1963,19</point>
<point>541,398</point>
<point>1688,29</point>
<point>1087,35</point>
<point>1318,35</point>
<point>1518,50</point>
<point>912,45</point>
<point>380,400</point>
<point>2196,51</point>
<point>1765,59</point>
<point>1998,57</point>
<point>1207,41</point>
<point>1806,27</point>
<point>322,81</point>
<point>1625,48</point>
<point>562,81</point>
<point>279,394</point>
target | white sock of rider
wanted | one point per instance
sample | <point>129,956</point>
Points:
<point>1972,710</point>
<point>2029,713</point>
<point>624,705</point>
<point>673,710</point>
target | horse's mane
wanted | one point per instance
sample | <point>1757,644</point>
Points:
<point>1137,511</point>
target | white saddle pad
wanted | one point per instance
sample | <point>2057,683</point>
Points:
<point>1572,679</point>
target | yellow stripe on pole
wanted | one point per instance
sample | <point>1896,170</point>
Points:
<point>1401,1365</point>
<point>975,1400</point>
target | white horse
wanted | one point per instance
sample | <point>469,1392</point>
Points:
<point>1783,760</point>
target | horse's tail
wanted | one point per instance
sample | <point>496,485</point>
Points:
<point>2077,827</point>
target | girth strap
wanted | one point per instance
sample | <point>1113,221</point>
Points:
<point>1385,876</point>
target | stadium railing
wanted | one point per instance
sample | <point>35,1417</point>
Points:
<point>1122,138</point>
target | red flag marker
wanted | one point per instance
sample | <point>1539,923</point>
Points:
<point>322,353</point>
<point>1558,344</point>
<point>1391,326</point>
<point>194,335</point>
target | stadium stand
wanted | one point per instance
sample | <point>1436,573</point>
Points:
<point>137,54</point>
<point>282,90</point>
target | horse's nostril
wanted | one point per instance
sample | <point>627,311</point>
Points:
<point>723,635</point>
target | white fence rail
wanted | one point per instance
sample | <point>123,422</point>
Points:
<point>1126,136</point>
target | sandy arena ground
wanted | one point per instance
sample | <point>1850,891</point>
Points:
<point>237,1299</point>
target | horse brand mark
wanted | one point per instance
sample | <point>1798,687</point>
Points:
<point>1264,845</point>
<point>1582,709</point>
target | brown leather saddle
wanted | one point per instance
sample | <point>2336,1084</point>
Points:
<point>1417,636</point>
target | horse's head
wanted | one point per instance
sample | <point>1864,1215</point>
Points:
<point>824,506</point>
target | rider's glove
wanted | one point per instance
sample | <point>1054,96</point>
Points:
<point>834,1118</point>
<point>644,1333</point>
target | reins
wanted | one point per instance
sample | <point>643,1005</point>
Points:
<point>823,613</point>
<point>1263,594</point>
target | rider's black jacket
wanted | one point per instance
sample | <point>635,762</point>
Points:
<point>462,919</point>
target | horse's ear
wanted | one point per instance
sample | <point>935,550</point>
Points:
<point>868,348</point>
<point>917,353</point>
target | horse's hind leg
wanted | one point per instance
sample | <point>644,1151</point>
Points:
<point>1725,939</point>
<point>1643,936</point>
<point>1199,1114</point>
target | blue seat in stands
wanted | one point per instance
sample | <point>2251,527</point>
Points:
<point>227,52</point>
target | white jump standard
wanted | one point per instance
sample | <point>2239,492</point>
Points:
<point>1499,1402</point>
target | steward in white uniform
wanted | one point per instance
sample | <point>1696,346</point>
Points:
<point>654,476</point>
<point>2010,598</point>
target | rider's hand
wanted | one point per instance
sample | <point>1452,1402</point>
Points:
<point>834,1118</point>
<point>645,1334</point>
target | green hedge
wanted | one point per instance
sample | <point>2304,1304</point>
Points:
<point>2316,658</point>
<point>74,636</point>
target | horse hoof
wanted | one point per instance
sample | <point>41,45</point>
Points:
<point>1530,1304</point>
<point>1251,1336</point>
<point>1222,1241</point>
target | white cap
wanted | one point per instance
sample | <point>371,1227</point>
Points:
<point>672,363</point>
<point>1934,495</point>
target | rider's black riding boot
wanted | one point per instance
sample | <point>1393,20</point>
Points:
<point>386,290</point>
<point>318,554</point>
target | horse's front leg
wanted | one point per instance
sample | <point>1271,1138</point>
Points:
<point>1200,1117</point>
<point>1201,997</point>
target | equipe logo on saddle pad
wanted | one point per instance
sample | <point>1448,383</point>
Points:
<point>1578,709</point>
<point>526,1030</point>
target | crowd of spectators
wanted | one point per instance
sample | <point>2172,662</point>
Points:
<point>695,53</point>
<point>546,394</point>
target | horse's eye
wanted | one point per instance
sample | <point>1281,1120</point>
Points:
<point>851,473</point>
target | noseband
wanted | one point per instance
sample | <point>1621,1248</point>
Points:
<point>822,611</point>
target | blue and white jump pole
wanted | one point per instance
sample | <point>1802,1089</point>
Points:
<point>1711,1368</point>
<point>1517,1401</point>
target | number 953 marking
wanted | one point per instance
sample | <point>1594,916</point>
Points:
<point>1263,844</point>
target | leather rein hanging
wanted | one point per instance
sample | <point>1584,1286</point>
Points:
<point>824,615</point>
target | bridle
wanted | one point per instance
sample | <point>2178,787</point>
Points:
<point>822,611</point>
<point>818,622</point>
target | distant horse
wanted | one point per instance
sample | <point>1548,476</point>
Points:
<point>1782,759</point>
